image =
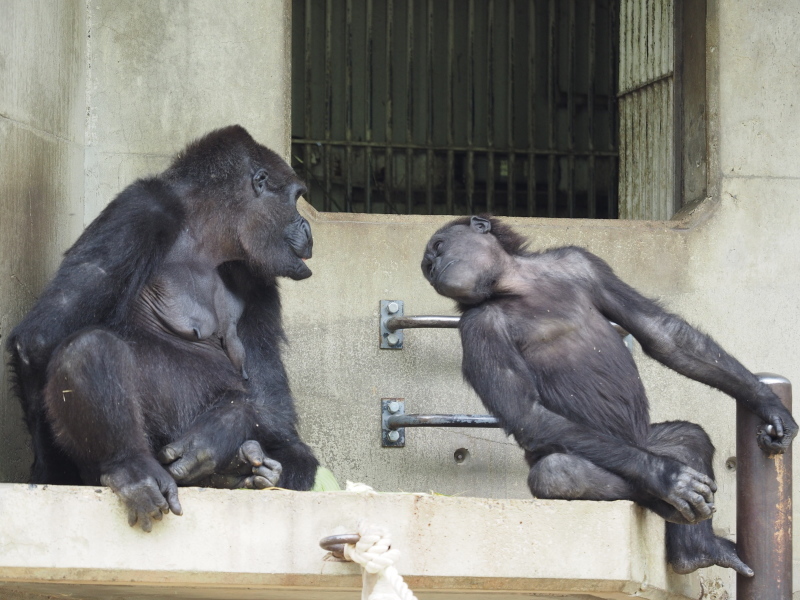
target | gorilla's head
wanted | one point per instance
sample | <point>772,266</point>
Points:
<point>466,258</point>
<point>249,194</point>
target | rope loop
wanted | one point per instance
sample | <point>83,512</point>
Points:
<point>373,551</point>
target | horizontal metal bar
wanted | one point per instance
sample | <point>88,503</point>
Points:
<point>446,322</point>
<point>640,86</point>
<point>422,322</point>
<point>438,148</point>
<point>397,421</point>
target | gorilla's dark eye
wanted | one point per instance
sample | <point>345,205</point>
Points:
<point>438,246</point>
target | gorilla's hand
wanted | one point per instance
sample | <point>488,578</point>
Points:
<point>251,468</point>
<point>146,488</point>
<point>692,494</point>
<point>192,458</point>
<point>777,434</point>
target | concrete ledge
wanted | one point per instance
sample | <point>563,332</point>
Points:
<point>245,544</point>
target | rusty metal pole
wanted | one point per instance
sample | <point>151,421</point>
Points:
<point>763,506</point>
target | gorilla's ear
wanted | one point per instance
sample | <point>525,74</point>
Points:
<point>480,225</point>
<point>260,181</point>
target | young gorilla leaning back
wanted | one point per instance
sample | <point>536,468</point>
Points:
<point>540,352</point>
<point>153,356</point>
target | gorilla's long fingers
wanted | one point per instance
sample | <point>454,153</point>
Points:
<point>170,453</point>
<point>685,510</point>
<point>251,452</point>
<point>702,509</point>
<point>704,479</point>
<point>188,468</point>
<point>267,475</point>
<point>704,490</point>
<point>777,426</point>
<point>133,516</point>
<point>170,491</point>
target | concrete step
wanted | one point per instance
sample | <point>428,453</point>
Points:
<point>63,540</point>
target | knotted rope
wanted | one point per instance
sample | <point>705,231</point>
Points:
<point>374,552</point>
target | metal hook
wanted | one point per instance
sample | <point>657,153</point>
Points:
<point>335,543</point>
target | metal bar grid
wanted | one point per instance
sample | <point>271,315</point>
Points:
<point>326,202</point>
<point>388,181</point>
<point>552,53</point>
<point>409,171</point>
<point>450,204</point>
<point>479,149</point>
<point>510,121</point>
<point>429,164</point>
<point>524,126</point>
<point>470,114</point>
<point>368,51</point>
<point>532,113</point>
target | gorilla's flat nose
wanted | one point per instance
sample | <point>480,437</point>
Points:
<point>299,237</point>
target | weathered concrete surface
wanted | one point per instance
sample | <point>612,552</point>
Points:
<point>42,75</point>
<point>162,73</point>
<point>246,544</point>
<point>730,268</point>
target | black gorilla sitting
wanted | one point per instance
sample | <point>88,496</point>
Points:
<point>154,354</point>
<point>541,354</point>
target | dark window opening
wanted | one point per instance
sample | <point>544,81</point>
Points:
<point>457,106</point>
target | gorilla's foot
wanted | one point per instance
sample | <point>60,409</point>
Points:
<point>715,551</point>
<point>251,468</point>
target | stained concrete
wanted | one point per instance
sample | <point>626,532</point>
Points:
<point>162,73</point>
<point>42,69</point>
<point>103,92</point>
<point>265,544</point>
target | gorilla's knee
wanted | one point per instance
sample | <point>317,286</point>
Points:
<point>684,441</point>
<point>91,365</point>
<point>89,350</point>
<point>567,477</point>
<point>549,477</point>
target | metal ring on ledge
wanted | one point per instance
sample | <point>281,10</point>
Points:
<point>335,543</point>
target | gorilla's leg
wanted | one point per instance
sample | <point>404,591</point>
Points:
<point>568,477</point>
<point>299,464</point>
<point>690,547</point>
<point>92,401</point>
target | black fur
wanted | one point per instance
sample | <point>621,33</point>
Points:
<point>109,390</point>
<point>540,352</point>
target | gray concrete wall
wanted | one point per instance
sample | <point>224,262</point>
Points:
<point>109,90</point>
<point>731,268</point>
<point>42,70</point>
<point>162,73</point>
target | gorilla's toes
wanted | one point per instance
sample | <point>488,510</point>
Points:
<point>722,553</point>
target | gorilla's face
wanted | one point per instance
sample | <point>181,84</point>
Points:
<point>275,238</point>
<point>464,261</point>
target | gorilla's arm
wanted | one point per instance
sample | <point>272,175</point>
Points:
<point>102,273</point>
<point>673,342</point>
<point>497,371</point>
<point>264,412</point>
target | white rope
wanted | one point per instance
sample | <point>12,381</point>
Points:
<point>376,556</point>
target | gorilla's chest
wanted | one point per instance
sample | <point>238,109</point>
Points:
<point>180,302</point>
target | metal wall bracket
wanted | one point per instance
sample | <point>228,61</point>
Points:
<point>390,339</point>
<point>394,421</point>
<point>392,438</point>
